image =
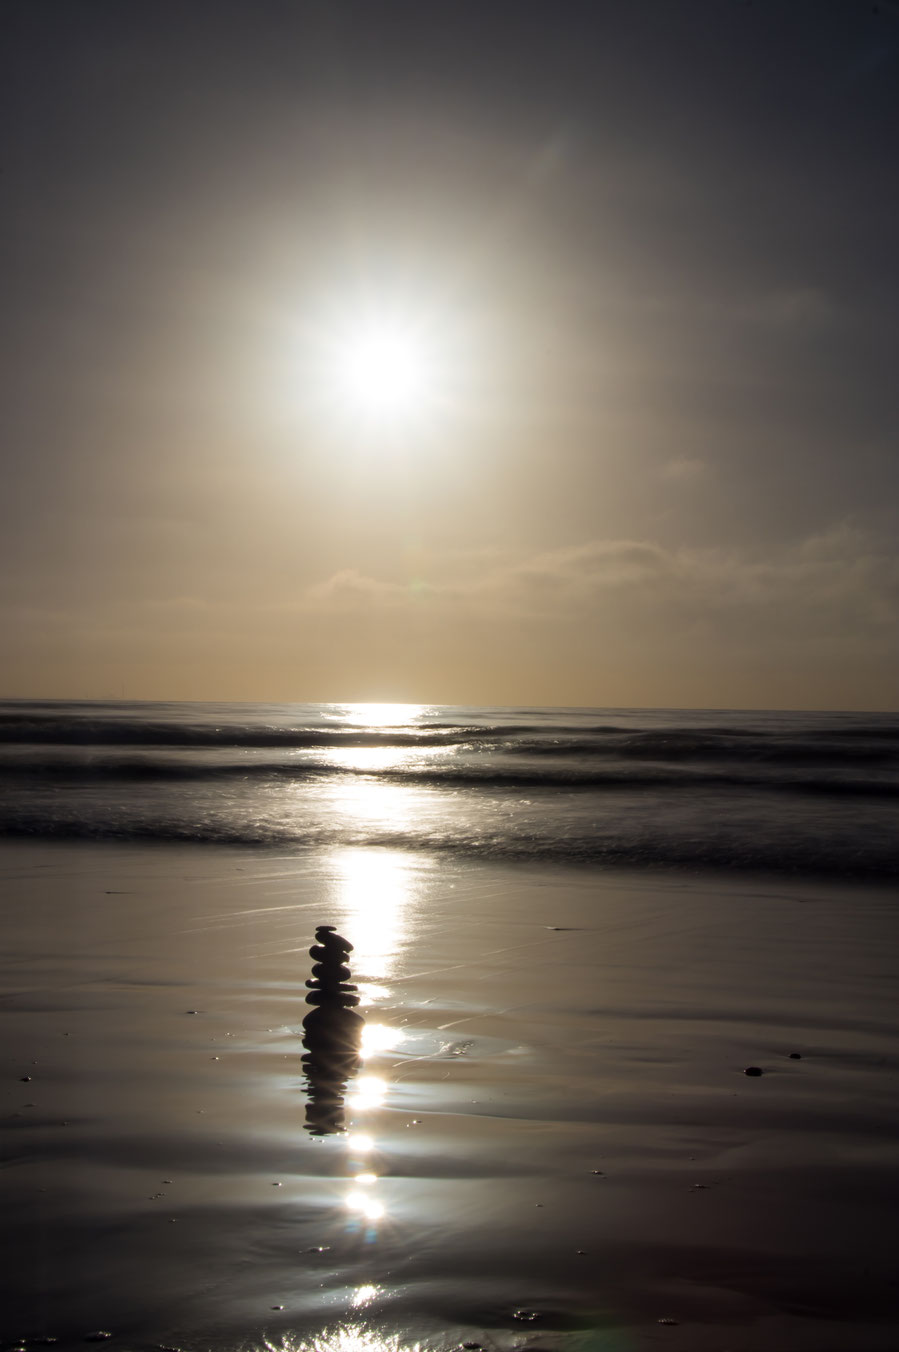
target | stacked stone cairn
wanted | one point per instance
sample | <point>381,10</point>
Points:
<point>332,1032</point>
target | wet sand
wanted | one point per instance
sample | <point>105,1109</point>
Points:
<point>566,1150</point>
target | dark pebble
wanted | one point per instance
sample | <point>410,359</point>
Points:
<point>795,1056</point>
<point>526,1316</point>
<point>99,1336</point>
<point>327,934</point>
<point>25,1079</point>
<point>472,1347</point>
<point>666,1321</point>
<point>753,1070</point>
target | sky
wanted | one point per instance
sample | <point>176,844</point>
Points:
<point>650,253</point>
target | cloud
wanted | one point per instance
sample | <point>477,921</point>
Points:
<point>842,578</point>
<point>616,621</point>
<point>349,589</point>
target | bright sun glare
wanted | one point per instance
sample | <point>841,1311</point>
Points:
<point>386,369</point>
<point>383,368</point>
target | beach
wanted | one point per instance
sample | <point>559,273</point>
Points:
<point>449,717</point>
<point>552,1141</point>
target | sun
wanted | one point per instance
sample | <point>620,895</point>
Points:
<point>383,369</point>
<point>386,369</point>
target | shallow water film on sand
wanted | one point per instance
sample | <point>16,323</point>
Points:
<point>541,1133</point>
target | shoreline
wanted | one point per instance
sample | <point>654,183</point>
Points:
<point>555,1022</point>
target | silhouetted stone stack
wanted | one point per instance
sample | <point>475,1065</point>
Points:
<point>331,1032</point>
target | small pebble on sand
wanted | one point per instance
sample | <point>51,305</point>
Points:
<point>795,1056</point>
<point>753,1070</point>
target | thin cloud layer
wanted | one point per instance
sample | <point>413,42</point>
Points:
<point>842,576</point>
<point>613,622</point>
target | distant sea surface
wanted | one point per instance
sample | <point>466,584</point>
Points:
<point>793,793</point>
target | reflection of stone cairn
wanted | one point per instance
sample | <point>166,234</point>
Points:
<point>331,1032</point>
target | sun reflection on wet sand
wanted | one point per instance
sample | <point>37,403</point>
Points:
<point>361,1202</point>
<point>375,894</point>
<point>380,1037</point>
<point>374,898</point>
<point>369,1091</point>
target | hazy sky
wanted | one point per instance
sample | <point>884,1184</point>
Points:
<point>654,249</point>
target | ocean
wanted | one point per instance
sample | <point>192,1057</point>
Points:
<point>783,792</point>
